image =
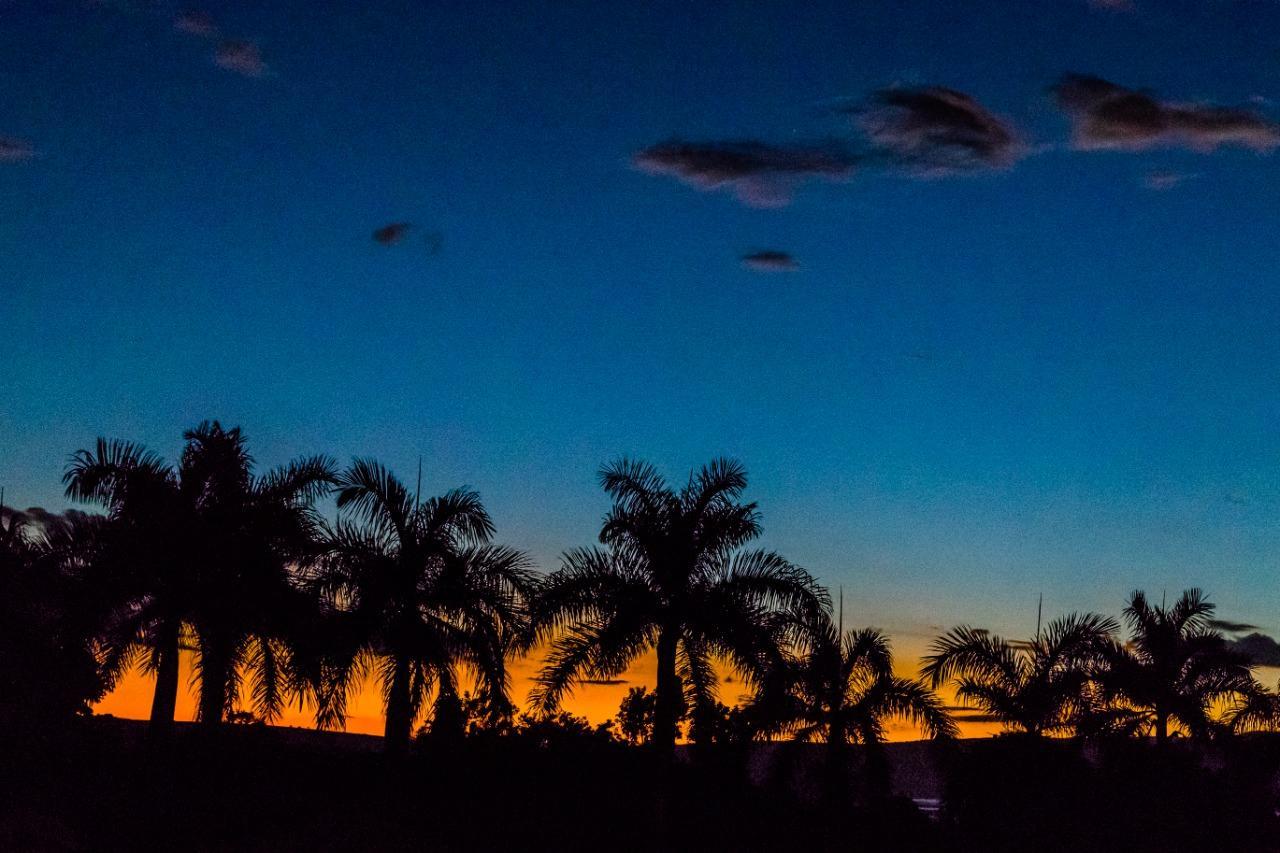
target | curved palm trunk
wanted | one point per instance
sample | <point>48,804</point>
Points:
<point>164,701</point>
<point>399,714</point>
<point>667,706</point>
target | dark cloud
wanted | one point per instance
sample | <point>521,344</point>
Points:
<point>242,57</point>
<point>390,235</point>
<point>1231,627</point>
<point>759,175</point>
<point>770,261</point>
<point>938,131</point>
<point>14,150</point>
<point>607,682</point>
<point>1261,649</point>
<point>196,24</point>
<point>965,714</point>
<point>1107,116</point>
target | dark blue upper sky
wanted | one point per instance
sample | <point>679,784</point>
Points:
<point>1040,374</point>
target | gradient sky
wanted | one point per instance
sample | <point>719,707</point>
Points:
<point>1053,375</point>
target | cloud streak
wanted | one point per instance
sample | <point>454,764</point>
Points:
<point>938,131</point>
<point>758,174</point>
<point>770,260</point>
<point>1105,116</point>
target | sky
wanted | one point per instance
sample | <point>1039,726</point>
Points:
<point>982,294</point>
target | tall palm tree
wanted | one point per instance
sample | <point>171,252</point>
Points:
<point>672,577</point>
<point>208,548</point>
<point>420,597</point>
<point>1041,686</point>
<point>1175,668</point>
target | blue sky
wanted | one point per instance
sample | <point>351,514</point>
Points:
<point>1043,376</point>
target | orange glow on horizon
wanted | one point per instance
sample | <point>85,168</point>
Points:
<point>131,699</point>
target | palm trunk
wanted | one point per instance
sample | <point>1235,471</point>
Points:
<point>215,677</point>
<point>666,710</point>
<point>399,723</point>
<point>1162,727</point>
<point>164,701</point>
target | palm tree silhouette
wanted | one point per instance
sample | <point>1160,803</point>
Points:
<point>1038,687</point>
<point>671,577</point>
<point>420,597</point>
<point>209,549</point>
<point>1175,668</point>
<point>839,688</point>
<point>56,606</point>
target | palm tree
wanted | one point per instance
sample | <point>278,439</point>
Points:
<point>208,548</point>
<point>839,687</point>
<point>1175,668</point>
<point>1038,687</point>
<point>420,597</point>
<point>671,577</point>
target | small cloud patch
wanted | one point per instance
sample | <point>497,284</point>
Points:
<point>14,150</point>
<point>392,234</point>
<point>196,24</point>
<point>939,131</point>
<point>242,57</point>
<point>770,261</point>
<point>1161,180</point>
<point>1108,116</point>
<point>758,174</point>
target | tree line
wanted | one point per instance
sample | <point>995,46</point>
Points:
<point>278,604</point>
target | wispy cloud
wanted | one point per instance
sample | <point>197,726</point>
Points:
<point>758,174</point>
<point>938,131</point>
<point>1161,179</point>
<point>15,150</point>
<point>196,23</point>
<point>1108,116</point>
<point>242,57</point>
<point>770,260</point>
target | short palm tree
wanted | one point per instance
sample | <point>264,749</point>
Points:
<point>56,606</point>
<point>420,597</point>
<point>838,687</point>
<point>1038,687</point>
<point>209,549</point>
<point>672,578</point>
<point>1175,669</point>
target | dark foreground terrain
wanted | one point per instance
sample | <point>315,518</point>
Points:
<point>103,785</point>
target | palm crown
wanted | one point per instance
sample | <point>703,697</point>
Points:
<point>1039,686</point>
<point>420,597</point>
<point>208,549</point>
<point>671,577</point>
<point>1175,668</point>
